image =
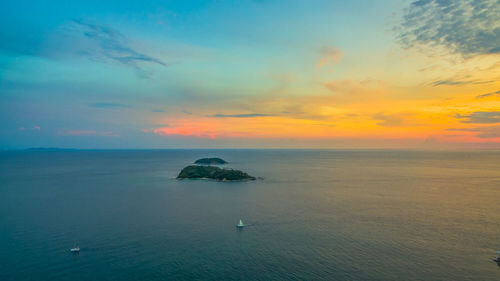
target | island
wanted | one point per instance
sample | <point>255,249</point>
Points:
<point>210,161</point>
<point>49,149</point>
<point>215,173</point>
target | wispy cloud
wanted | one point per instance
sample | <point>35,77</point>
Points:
<point>250,115</point>
<point>482,132</point>
<point>392,120</point>
<point>467,27</point>
<point>77,132</point>
<point>70,132</point>
<point>34,128</point>
<point>108,105</point>
<point>343,86</point>
<point>81,38</point>
<point>113,44</point>
<point>183,131</point>
<point>328,56</point>
<point>480,117</point>
<point>497,93</point>
<point>452,82</point>
<point>106,44</point>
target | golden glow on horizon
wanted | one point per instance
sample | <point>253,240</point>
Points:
<point>363,109</point>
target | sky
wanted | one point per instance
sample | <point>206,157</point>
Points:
<point>250,74</point>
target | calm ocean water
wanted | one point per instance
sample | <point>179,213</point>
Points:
<point>316,215</point>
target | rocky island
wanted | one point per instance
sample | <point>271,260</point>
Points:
<point>210,161</point>
<point>215,173</point>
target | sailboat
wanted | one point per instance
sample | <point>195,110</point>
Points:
<point>75,249</point>
<point>240,224</point>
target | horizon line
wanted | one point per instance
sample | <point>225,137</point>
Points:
<point>55,149</point>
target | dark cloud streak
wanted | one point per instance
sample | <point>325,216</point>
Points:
<point>240,115</point>
<point>108,105</point>
<point>497,93</point>
<point>480,117</point>
<point>459,82</point>
<point>483,132</point>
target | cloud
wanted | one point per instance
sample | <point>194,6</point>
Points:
<point>80,38</point>
<point>349,91</point>
<point>458,82</point>
<point>111,44</point>
<point>480,117</point>
<point>97,43</point>
<point>343,86</point>
<point>483,132</point>
<point>34,128</point>
<point>108,134</point>
<point>157,110</point>
<point>108,105</point>
<point>390,120</point>
<point>78,132</point>
<point>497,93</point>
<point>182,131</point>
<point>328,56</point>
<point>466,27</point>
<point>250,115</point>
<point>66,132</point>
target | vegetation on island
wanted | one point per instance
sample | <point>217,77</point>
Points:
<point>210,161</point>
<point>215,173</point>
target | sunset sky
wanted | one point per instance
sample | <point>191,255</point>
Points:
<point>267,73</point>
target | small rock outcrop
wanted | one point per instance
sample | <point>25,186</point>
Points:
<point>210,161</point>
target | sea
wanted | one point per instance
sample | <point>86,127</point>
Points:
<point>312,215</point>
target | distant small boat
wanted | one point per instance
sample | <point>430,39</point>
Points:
<point>240,224</point>
<point>497,259</point>
<point>75,249</point>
